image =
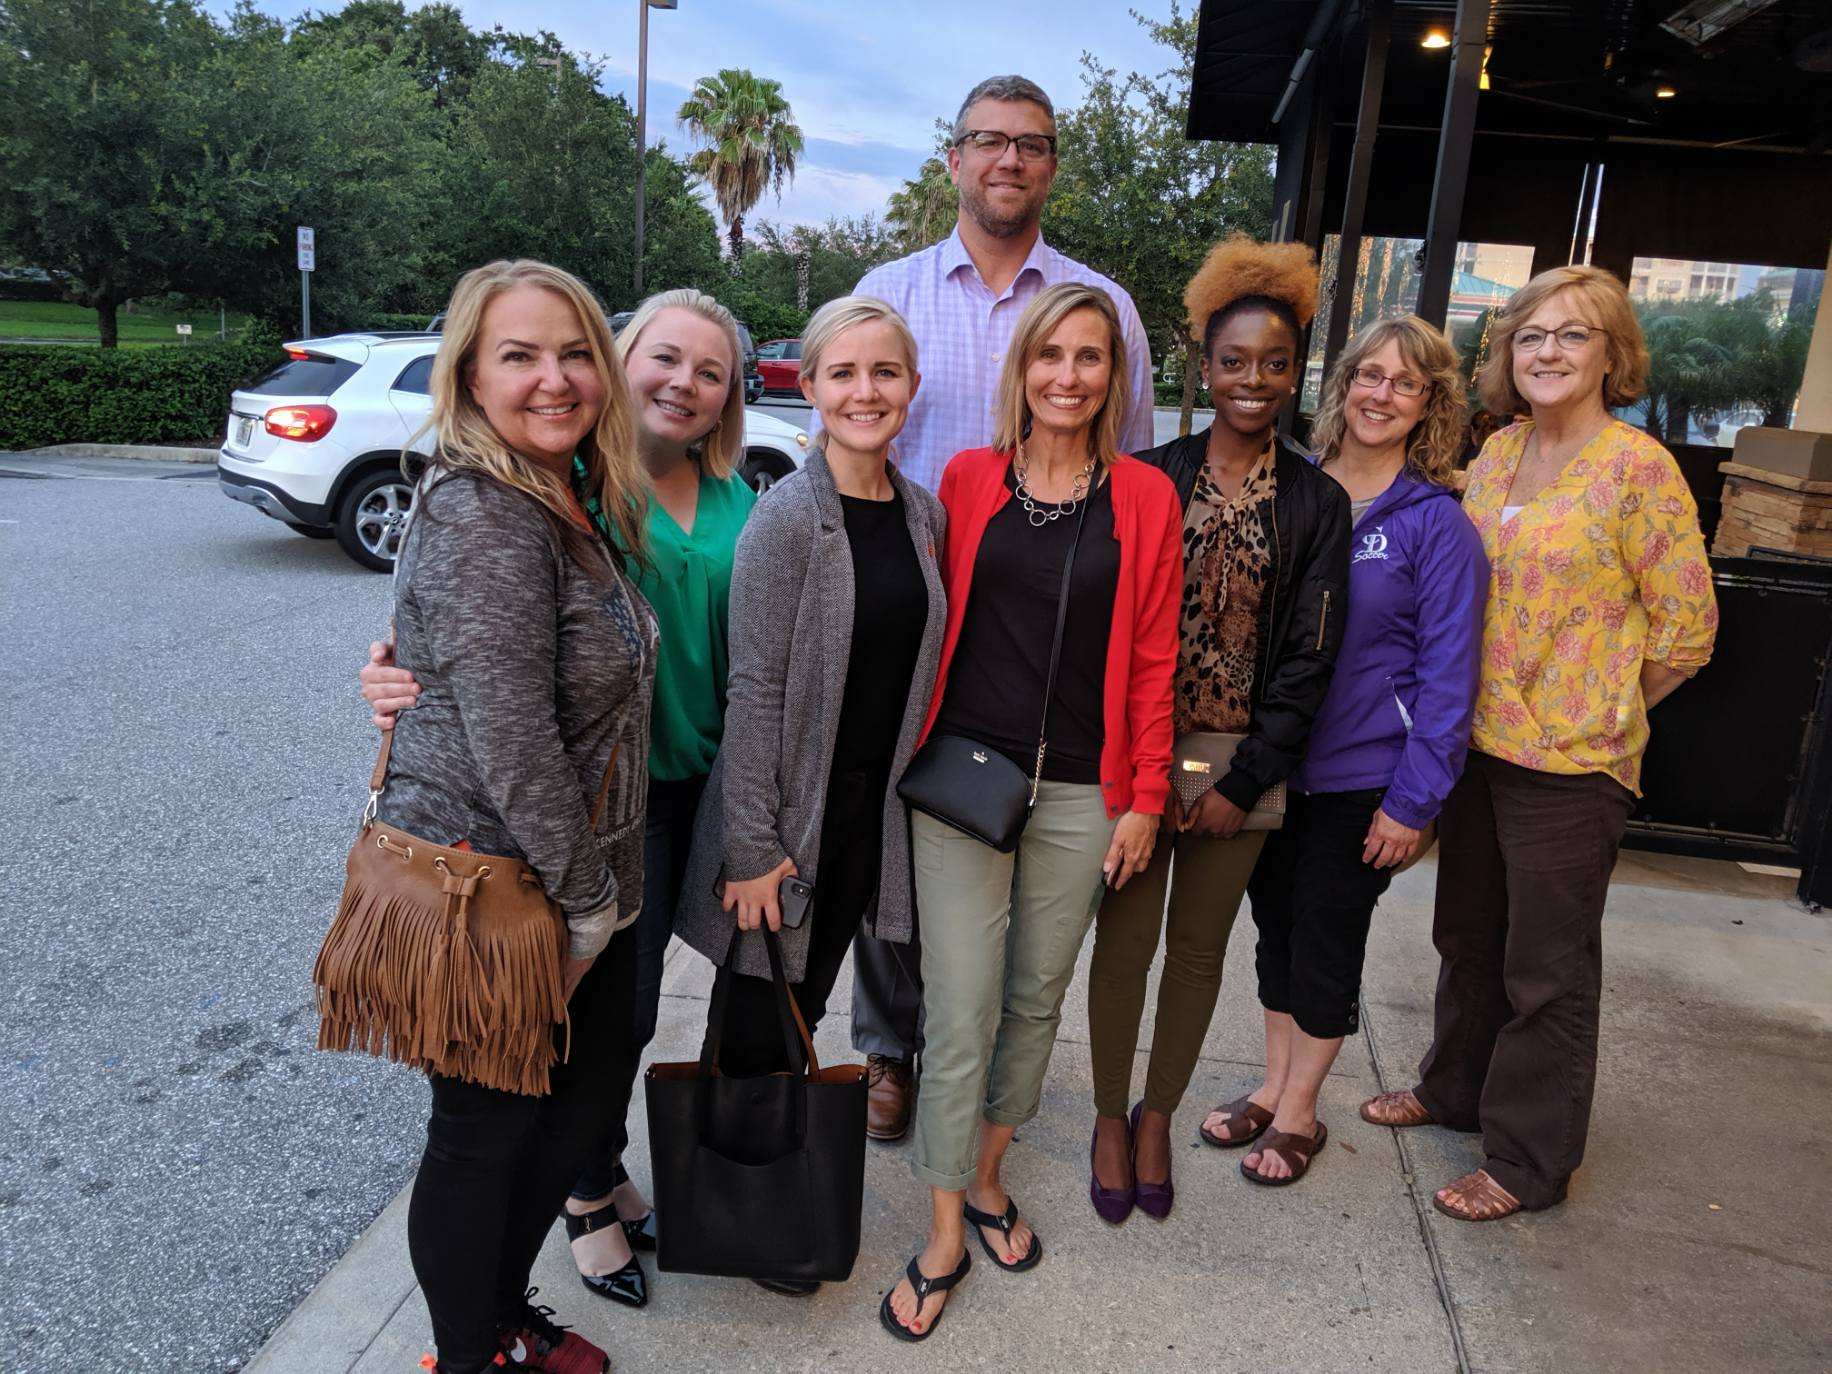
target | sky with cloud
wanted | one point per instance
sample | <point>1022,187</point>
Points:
<point>867,80</point>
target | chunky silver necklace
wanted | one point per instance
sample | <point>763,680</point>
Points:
<point>1040,515</point>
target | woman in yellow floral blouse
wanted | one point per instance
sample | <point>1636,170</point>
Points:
<point>1600,604</point>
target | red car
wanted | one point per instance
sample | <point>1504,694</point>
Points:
<point>780,362</point>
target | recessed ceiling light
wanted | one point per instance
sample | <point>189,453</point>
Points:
<point>1435,39</point>
<point>1664,92</point>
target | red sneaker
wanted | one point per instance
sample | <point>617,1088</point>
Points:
<point>536,1341</point>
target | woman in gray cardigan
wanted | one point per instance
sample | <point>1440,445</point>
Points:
<point>837,615</point>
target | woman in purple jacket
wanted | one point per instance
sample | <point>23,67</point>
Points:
<point>1389,739</point>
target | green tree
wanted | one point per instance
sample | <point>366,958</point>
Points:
<point>1138,200</point>
<point>752,143</point>
<point>923,211</point>
<point>149,149</point>
<point>433,43</point>
<point>91,143</point>
<point>839,253</point>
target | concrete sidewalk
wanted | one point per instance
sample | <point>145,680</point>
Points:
<point>1696,1236</point>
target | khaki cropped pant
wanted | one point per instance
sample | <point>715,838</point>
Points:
<point>1000,936</point>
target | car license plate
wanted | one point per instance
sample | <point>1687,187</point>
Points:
<point>244,431</point>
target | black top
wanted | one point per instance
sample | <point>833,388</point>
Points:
<point>995,683</point>
<point>890,612</point>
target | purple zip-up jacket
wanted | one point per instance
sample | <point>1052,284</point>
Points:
<point>1398,710</point>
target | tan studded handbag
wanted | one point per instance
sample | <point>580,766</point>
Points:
<point>1201,759</point>
<point>443,958</point>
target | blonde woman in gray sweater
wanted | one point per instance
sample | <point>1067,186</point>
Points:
<point>536,657</point>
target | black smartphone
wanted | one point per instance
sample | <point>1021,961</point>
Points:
<point>793,896</point>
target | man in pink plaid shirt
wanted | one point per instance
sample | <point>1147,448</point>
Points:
<point>962,298</point>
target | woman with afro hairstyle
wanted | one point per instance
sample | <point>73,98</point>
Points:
<point>1265,553</point>
<point>1388,742</point>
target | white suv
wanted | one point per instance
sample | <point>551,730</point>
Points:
<point>318,442</point>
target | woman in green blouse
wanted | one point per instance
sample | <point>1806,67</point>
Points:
<point>682,356</point>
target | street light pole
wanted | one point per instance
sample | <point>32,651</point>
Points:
<point>642,124</point>
<point>642,115</point>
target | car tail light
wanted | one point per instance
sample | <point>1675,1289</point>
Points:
<point>297,354</point>
<point>304,423</point>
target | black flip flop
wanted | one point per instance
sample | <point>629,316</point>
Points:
<point>924,1285</point>
<point>1005,1224</point>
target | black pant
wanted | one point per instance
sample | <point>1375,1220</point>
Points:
<point>1313,901</point>
<point>498,1166</point>
<point>846,880</point>
<point>669,831</point>
<point>1524,859</point>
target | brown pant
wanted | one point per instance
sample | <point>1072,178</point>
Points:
<point>1524,861</point>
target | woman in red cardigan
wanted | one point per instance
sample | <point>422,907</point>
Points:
<point>1001,932</point>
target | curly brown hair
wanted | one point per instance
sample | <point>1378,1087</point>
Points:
<point>1240,269</point>
<point>1436,441</point>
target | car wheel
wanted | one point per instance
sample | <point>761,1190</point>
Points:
<point>373,516</point>
<point>313,531</point>
<point>763,468</point>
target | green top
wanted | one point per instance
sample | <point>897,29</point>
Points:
<point>687,579</point>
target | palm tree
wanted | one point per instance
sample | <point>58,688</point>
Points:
<point>752,140</point>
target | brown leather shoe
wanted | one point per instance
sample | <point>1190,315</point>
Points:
<point>890,1098</point>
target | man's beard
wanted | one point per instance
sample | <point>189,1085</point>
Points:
<point>993,223</point>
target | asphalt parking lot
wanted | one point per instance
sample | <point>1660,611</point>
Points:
<point>184,761</point>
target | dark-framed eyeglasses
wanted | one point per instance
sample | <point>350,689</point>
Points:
<point>992,144</point>
<point>1571,337</point>
<point>1370,378</point>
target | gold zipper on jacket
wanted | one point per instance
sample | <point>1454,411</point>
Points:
<point>1322,619</point>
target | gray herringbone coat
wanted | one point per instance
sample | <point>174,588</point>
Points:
<point>791,632</point>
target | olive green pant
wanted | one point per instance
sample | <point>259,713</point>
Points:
<point>1206,882</point>
<point>1000,937</point>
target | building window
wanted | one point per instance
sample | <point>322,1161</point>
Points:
<point>1726,351</point>
<point>1387,280</point>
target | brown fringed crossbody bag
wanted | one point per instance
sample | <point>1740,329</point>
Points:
<point>444,959</point>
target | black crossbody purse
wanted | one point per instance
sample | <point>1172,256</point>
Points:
<point>972,786</point>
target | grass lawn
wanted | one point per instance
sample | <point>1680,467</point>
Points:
<point>77,324</point>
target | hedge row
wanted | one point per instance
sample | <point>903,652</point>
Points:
<point>167,395</point>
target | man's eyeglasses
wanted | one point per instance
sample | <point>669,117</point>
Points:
<point>1570,337</point>
<point>992,143</point>
<point>1370,378</point>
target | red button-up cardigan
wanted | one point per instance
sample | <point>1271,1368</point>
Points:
<point>1142,647</point>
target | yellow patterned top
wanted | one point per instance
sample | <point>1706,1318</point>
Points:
<point>1601,571</point>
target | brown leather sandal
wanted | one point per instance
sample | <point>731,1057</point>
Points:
<point>1398,1109</point>
<point>1487,1199</point>
<point>1244,1114</point>
<point>1296,1150</point>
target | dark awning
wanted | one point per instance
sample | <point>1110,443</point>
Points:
<point>1557,68</point>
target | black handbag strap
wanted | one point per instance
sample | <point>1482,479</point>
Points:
<point>797,1041</point>
<point>1062,619</point>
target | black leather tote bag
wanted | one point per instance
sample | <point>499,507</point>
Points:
<point>757,1178</point>
<point>972,786</point>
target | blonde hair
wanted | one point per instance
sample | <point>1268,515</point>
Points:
<point>721,447</point>
<point>468,442</point>
<point>1604,296</point>
<point>846,312</point>
<point>1053,305</point>
<point>1436,441</point>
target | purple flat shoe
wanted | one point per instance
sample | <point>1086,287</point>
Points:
<point>1154,1199</point>
<point>1112,1205</point>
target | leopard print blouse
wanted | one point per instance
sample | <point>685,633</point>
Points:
<point>1227,562</point>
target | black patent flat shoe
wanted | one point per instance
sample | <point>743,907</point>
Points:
<point>628,1285</point>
